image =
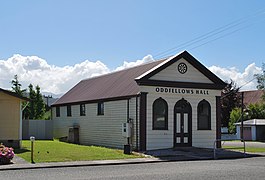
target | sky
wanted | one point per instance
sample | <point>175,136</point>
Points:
<point>55,44</point>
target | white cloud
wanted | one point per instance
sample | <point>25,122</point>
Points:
<point>54,79</point>
<point>245,79</point>
<point>58,80</point>
<point>126,64</point>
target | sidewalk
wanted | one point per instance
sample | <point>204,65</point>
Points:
<point>166,155</point>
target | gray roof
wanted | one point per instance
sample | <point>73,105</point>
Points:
<point>125,83</point>
<point>112,85</point>
<point>253,122</point>
<point>253,97</point>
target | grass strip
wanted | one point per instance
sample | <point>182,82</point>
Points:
<point>56,151</point>
<point>248,149</point>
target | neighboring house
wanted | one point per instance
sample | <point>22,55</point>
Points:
<point>11,118</point>
<point>253,129</point>
<point>173,102</point>
<point>252,97</point>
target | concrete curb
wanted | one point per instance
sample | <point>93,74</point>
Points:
<point>80,164</point>
<point>118,162</point>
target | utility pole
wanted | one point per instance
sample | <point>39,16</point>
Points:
<point>242,116</point>
<point>47,100</point>
<point>47,104</point>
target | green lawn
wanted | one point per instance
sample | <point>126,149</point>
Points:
<point>55,151</point>
<point>248,149</point>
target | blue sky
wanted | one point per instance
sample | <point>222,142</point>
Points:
<point>65,32</point>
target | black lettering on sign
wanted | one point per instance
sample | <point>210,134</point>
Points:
<point>182,91</point>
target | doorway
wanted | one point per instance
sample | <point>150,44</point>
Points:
<point>182,124</point>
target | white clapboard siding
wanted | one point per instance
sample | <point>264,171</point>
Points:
<point>134,111</point>
<point>159,139</point>
<point>171,73</point>
<point>101,130</point>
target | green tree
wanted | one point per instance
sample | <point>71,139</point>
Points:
<point>256,111</point>
<point>16,86</point>
<point>230,99</point>
<point>32,96</point>
<point>39,106</point>
<point>235,116</point>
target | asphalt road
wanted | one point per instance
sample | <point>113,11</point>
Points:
<point>248,168</point>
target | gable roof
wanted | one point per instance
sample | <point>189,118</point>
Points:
<point>252,97</point>
<point>13,94</point>
<point>217,82</point>
<point>125,83</point>
<point>117,84</point>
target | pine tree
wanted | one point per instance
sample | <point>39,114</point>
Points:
<point>16,86</point>
<point>32,96</point>
<point>39,106</point>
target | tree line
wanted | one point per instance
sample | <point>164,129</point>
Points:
<point>35,108</point>
<point>231,104</point>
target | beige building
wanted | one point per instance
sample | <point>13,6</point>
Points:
<point>169,103</point>
<point>10,118</point>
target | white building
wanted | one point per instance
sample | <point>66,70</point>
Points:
<point>173,102</point>
<point>253,130</point>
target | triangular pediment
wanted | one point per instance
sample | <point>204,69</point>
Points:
<point>181,70</point>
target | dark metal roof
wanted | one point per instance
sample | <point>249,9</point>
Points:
<point>124,84</point>
<point>253,97</point>
<point>117,84</point>
<point>13,94</point>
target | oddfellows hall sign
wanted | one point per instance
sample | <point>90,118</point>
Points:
<point>181,91</point>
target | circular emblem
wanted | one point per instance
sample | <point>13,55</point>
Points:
<point>182,68</point>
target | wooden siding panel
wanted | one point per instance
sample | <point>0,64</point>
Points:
<point>101,130</point>
<point>159,139</point>
<point>171,74</point>
<point>10,117</point>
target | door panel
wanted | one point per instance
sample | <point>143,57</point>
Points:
<point>186,123</point>
<point>178,126</point>
<point>183,127</point>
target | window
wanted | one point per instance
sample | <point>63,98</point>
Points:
<point>57,111</point>
<point>204,115</point>
<point>160,114</point>
<point>100,108</point>
<point>82,109</point>
<point>69,111</point>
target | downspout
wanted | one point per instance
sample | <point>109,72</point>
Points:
<point>20,122</point>
<point>136,124</point>
<point>128,117</point>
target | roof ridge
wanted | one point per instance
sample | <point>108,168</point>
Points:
<point>125,69</point>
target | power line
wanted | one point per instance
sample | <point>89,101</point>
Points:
<point>213,33</point>
<point>239,87</point>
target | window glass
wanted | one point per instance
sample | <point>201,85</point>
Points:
<point>82,109</point>
<point>100,108</point>
<point>57,111</point>
<point>160,114</point>
<point>69,110</point>
<point>204,115</point>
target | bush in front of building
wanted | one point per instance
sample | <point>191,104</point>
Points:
<point>6,154</point>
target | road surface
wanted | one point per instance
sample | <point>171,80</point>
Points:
<point>247,168</point>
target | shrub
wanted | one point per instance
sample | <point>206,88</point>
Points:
<point>6,154</point>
